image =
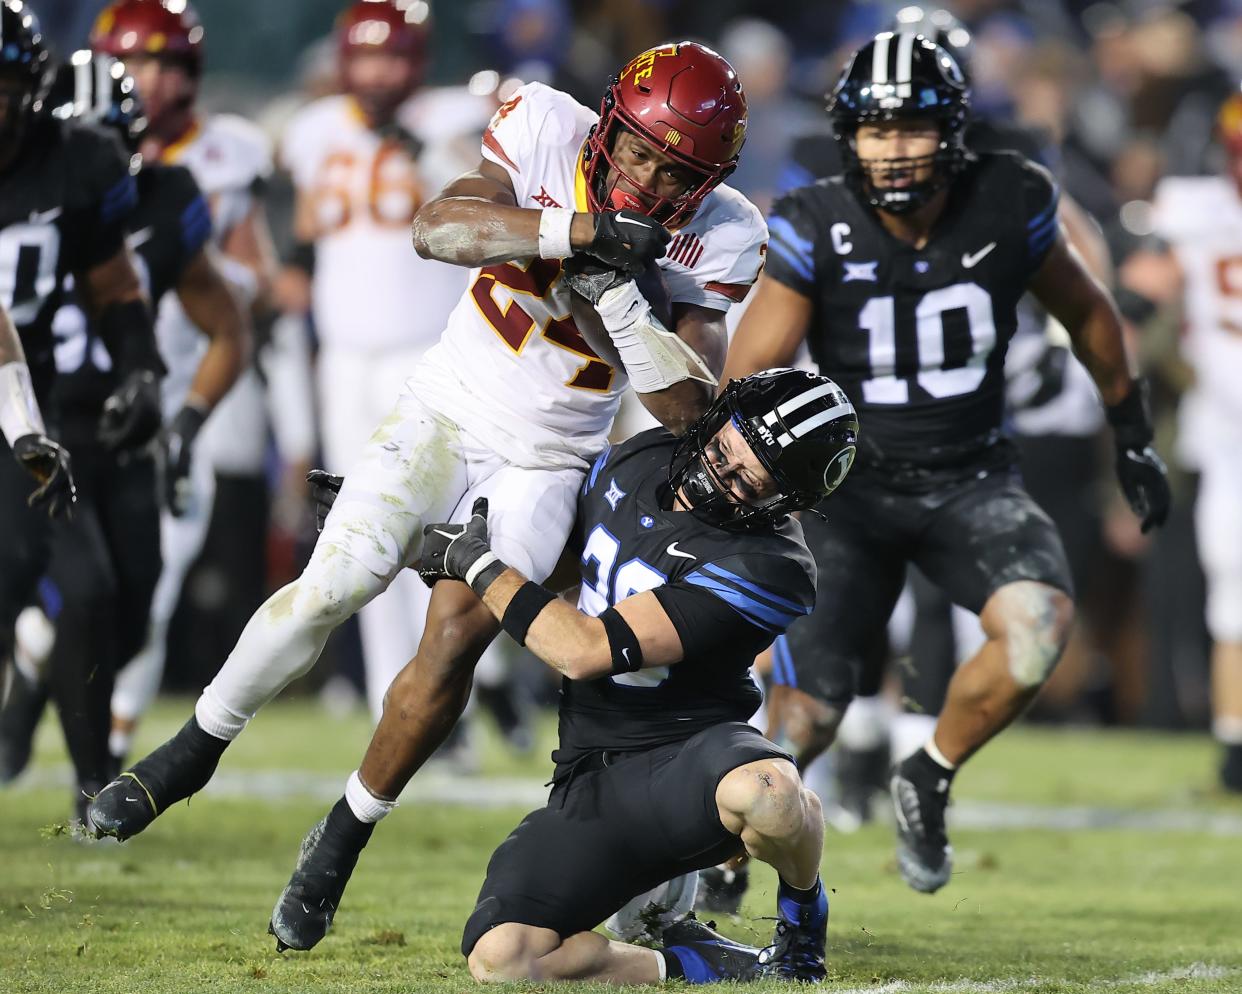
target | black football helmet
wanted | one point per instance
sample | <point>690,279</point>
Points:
<point>800,426</point>
<point>24,65</point>
<point>937,25</point>
<point>901,77</point>
<point>96,89</point>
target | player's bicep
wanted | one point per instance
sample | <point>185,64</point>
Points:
<point>654,629</point>
<point>770,332</point>
<point>1063,285</point>
<point>111,281</point>
<point>487,181</point>
<point>207,300</point>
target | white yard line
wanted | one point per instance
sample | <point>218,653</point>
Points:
<point>437,785</point>
<point>1195,971</point>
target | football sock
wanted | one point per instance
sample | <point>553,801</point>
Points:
<point>802,906</point>
<point>364,805</point>
<point>934,753</point>
<point>673,970</point>
<point>215,719</point>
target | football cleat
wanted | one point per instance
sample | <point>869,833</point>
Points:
<point>180,767</point>
<point>924,855</point>
<point>799,947</point>
<point>721,889</point>
<point>706,956</point>
<point>329,853</point>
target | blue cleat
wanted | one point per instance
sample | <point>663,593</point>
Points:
<point>706,956</point>
<point>799,947</point>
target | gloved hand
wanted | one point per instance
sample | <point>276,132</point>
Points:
<point>1142,473</point>
<point>628,241</point>
<point>178,444</point>
<point>591,279</point>
<point>461,552</point>
<point>48,463</point>
<point>131,416</point>
<point>324,487</point>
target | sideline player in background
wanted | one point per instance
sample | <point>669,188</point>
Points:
<point>161,43</point>
<point>1200,220</point>
<point>512,405</point>
<point>65,194</point>
<point>106,561</point>
<point>903,278</point>
<point>363,162</point>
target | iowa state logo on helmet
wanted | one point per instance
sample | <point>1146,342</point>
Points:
<point>643,64</point>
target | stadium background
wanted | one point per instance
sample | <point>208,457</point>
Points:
<point>1124,93</point>
<point>1103,860</point>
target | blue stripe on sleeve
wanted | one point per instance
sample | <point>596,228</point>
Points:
<point>720,573</point>
<point>50,595</point>
<point>195,226</point>
<point>595,469</point>
<point>756,612</point>
<point>119,200</point>
<point>793,175</point>
<point>782,663</point>
<point>795,250</point>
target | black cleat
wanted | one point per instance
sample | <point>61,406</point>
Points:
<point>721,889</point>
<point>19,717</point>
<point>180,767</point>
<point>861,775</point>
<point>329,853</point>
<point>799,947</point>
<point>924,855</point>
<point>706,956</point>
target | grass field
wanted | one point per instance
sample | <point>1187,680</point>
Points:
<point>1147,898</point>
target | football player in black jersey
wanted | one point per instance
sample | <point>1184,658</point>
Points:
<point>105,563</point>
<point>690,564</point>
<point>902,276</point>
<point>65,192</point>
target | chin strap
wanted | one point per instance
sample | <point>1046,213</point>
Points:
<point>654,357</point>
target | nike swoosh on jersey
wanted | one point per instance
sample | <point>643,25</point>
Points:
<point>970,260</point>
<point>672,550</point>
<point>140,237</point>
<point>45,217</point>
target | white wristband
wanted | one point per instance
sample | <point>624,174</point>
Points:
<point>19,411</point>
<point>554,225</point>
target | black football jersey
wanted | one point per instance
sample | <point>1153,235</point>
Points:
<point>917,337</point>
<point>63,208</point>
<point>729,595</point>
<point>169,226</point>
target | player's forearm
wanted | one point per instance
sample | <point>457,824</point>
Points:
<point>10,342</point>
<point>216,311</point>
<point>572,643</point>
<point>1100,344</point>
<point>678,406</point>
<point>473,231</point>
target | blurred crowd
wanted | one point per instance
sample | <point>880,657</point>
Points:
<point>1120,94</point>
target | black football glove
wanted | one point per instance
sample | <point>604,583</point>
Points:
<point>324,487</point>
<point>589,278</point>
<point>628,241</point>
<point>131,416</point>
<point>461,552</point>
<point>178,445</point>
<point>1144,478</point>
<point>48,463</point>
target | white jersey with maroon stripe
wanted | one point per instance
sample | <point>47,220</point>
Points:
<point>1201,219</point>
<point>511,368</point>
<point>372,293</point>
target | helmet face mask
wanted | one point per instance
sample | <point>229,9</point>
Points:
<point>685,102</point>
<point>901,78</point>
<point>799,427</point>
<point>98,90</point>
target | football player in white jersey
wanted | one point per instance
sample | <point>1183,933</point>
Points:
<point>512,405</point>
<point>1200,220</point>
<point>363,162</point>
<point>161,44</point>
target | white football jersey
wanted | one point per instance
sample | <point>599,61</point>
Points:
<point>1201,219</point>
<point>371,291</point>
<point>512,369</point>
<point>229,157</point>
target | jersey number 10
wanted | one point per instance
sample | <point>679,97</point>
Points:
<point>878,319</point>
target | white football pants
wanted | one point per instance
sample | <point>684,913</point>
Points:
<point>417,468</point>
